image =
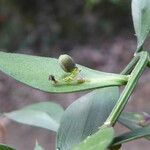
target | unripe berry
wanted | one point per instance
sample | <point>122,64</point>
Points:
<point>66,63</point>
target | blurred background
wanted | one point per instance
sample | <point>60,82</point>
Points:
<point>98,31</point>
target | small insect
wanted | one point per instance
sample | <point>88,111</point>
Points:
<point>52,78</point>
<point>73,72</point>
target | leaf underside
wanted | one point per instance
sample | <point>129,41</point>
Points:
<point>141,20</point>
<point>84,116</point>
<point>44,114</point>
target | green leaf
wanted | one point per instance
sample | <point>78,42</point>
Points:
<point>38,147</point>
<point>126,137</point>
<point>35,71</point>
<point>84,116</point>
<point>45,115</point>
<point>100,140</point>
<point>141,20</point>
<point>5,147</point>
<point>133,120</point>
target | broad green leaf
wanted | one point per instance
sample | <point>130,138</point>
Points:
<point>100,140</point>
<point>35,71</point>
<point>45,115</point>
<point>141,20</point>
<point>5,147</point>
<point>135,134</point>
<point>84,116</point>
<point>38,147</point>
<point>134,120</point>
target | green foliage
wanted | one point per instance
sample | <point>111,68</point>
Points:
<point>83,117</point>
<point>35,71</point>
<point>87,124</point>
<point>45,115</point>
<point>5,147</point>
<point>100,140</point>
<point>141,20</point>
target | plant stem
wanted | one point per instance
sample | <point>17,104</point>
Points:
<point>148,61</point>
<point>130,66</point>
<point>139,49</point>
<point>135,75</point>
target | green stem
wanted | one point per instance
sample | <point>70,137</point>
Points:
<point>130,66</point>
<point>131,135</point>
<point>135,75</point>
<point>139,49</point>
<point>148,61</point>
